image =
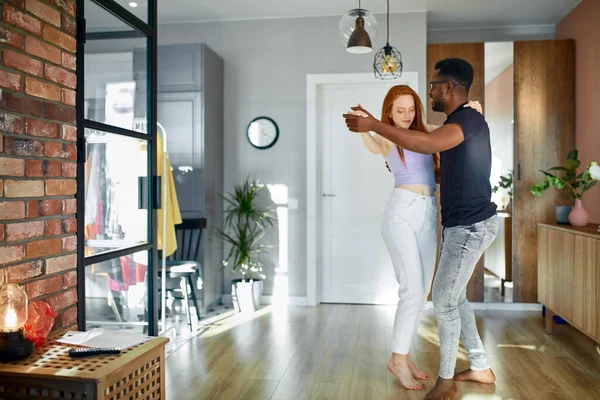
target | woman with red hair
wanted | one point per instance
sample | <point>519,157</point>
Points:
<point>409,225</point>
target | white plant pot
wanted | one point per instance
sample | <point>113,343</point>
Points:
<point>246,295</point>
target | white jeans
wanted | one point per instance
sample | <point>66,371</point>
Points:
<point>410,233</point>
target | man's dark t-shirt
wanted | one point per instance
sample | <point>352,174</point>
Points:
<point>465,190</point>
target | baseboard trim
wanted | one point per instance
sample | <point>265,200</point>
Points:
<point>290,300</point>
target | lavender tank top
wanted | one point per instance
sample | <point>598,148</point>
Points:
<point>418,169</point>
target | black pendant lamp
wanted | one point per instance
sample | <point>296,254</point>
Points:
<point>388,61</point>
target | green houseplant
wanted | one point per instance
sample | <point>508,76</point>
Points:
<point>242,233</point>
<point>566,177</point>
<point>506,182</point>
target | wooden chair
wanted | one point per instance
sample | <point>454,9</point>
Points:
<point>184,265</point>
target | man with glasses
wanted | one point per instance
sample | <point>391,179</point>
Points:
<point>468,215</point>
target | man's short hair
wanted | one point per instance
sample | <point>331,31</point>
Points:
<point>458,70</point>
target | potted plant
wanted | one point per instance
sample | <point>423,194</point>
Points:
<point>506,182</point>
<point>242,231</point>
<point>576,185</point>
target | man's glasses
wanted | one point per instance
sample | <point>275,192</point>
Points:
<point>433,83</point>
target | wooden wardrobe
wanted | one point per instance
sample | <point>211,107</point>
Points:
<point>544,133</point>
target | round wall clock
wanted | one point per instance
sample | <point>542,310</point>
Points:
<point>262,132</point>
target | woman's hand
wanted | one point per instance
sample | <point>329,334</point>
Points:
<point>476,106</point>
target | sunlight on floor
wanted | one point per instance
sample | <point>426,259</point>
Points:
<point>236,320</point>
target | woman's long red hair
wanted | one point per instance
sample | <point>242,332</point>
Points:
<point>417,124</point>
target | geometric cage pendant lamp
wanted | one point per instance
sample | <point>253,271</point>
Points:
<point>357,30</point>
<point>387,63</point>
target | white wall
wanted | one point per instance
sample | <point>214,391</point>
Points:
<point>266,63</point>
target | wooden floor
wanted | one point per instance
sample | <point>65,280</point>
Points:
<point>340,352</point>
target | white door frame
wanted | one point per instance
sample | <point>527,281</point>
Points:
<point>313,86</point>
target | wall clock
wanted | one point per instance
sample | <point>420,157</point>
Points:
<point>262,132</point>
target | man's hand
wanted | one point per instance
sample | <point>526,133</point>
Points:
<point>364,122</point>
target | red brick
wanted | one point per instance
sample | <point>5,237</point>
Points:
<point>61,76</point>
<point>67,6</point>
<point>50,207</point>
<point>68,318</point>
<point>63,114</point>
<point>70,279</point>
<point>63,300</point>
<point>60,39</point>
<point>42,50</point>
<point>23,104</point>
<point>71,152</point>
<point>39,208</point>
<point>21,20</point>
<point>11,38</point>
<point>2,235</point>
<point>10,254</point>
<point>46,91</point>
<point>41,248</point>
<point>19,3</point>
<point>1,190</point>
<point>44,286</point>
<point>23,147</point>
<point>69,170</point>
<point>11,81</point>
<point>39,168</point>
<point>23,188</point>
<point>61,187</point>
<point>53,227</point>
<point>69,61</point>
<point>69,97</point>
<point>24,230</point>
<point>69,25</point>
<point>36,127</point>
<point>1,151</point>
<point>60,264</point>
<point>12,210</point>
<point>43,11</point>
<point>12,166</point>
<point>69,243</point>
<point>33,208</point>
<point>23,63</point>
<point>69,206</point>
<point>61,150</point>
<point>55,149</point>
<point>22,272</point>
<point>70,225</point>
<point>69,133</point>
<point>11,123</point>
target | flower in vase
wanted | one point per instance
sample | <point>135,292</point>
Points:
<point>595,171</point>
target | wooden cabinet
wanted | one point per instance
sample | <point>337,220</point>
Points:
<point>544,133</point>
<point>569,275</point>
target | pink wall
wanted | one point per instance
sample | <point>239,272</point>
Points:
<point>582,25</point>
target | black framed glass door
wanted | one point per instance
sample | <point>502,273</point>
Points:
<point>117,192</point>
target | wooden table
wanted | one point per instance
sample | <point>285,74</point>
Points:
<point>137,373</point>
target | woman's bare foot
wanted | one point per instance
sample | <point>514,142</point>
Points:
<point>485,376</point>
<point>416,373</point>
<point>445,389</point>
<point>398,366</point>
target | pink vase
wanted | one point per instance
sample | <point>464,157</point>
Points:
<point>578,215</point>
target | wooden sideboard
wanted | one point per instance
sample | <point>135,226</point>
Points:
<point>569,276</point>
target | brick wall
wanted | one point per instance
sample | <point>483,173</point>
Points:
<point>38,151</point>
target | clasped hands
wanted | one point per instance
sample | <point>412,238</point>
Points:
<point>359,120</point>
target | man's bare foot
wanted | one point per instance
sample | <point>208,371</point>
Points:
<point>486,376</point>
<point>445,389</point>
<point>416,373</point>
<point>398,366</point>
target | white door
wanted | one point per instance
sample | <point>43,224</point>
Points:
<point>355,187</point>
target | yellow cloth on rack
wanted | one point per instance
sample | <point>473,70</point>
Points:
<point>172,206</point>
